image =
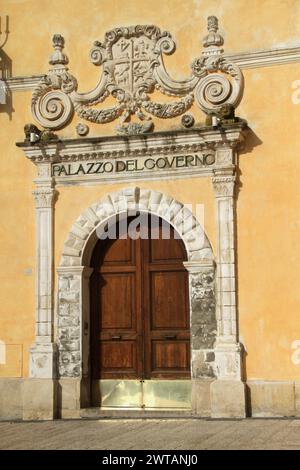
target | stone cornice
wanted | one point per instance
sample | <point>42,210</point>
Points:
<point>266,58</point>
<point>245,60</point>
<point>156,143</point>
<point>23,83</point>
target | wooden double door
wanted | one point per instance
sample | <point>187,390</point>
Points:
<point>140,305</point>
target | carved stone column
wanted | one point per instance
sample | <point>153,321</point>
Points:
<point>40,389</point>
<point>228,392</point>
<point>43,352</point>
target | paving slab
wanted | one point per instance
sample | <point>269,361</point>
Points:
<point>150,434</point>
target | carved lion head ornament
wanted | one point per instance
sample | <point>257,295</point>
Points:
<point>132,68</point>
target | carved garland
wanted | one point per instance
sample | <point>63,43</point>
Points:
<point>133,66</point>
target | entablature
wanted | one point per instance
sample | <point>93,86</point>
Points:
<point>182,153</point>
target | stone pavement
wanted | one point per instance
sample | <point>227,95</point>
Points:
<point>144,434</point>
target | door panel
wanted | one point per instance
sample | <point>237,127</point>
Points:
<point>170,355</point>
<point>166,307</point>
<point>117,301</point>
<point>168,300</point>
<point>139,309</point>
<point>166,250</point>
<point>117,252</point>
<point>116,346</point>
<point>118,355</point>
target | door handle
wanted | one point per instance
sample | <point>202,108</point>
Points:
<point>170,336</point>
<point>116,337</point>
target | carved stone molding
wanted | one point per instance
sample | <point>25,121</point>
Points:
<point>133,67</point>
<point>159,143</point>
<point>245,60</point>
<point>175,154</point>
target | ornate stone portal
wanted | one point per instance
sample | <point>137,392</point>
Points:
<point>133,67</point>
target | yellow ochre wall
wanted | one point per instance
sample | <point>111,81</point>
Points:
<point>268,201</point>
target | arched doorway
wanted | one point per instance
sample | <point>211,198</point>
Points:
<point>74,330</point>
<point>140,321</point>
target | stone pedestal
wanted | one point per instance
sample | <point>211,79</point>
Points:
<point>39,399</point>
<point>73,394</point>
<point>200,397</point>
<point>68,397</point>
<point>11,397</point>
<point>43,360</point>
<point>228,399</point>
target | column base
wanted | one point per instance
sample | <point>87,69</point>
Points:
<point>43,360</point>
<point>73,394</point>
<point>39,399</point>
<point>228,360</point>
<point>228,399</point>
<point>200,397</point>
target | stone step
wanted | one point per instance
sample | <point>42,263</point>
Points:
<point>101,413</point>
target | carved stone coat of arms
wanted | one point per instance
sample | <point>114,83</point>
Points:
<point>132,68</point>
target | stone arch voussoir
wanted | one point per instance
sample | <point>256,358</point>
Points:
<point>134,198</point>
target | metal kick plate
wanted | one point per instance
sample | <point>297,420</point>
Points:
<point>121,393</point>
<point>165,394</point>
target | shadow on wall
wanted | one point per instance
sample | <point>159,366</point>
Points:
<point>247,388</point>
<point>251,142</point>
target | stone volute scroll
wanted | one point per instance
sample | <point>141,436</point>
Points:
<point>51,104</point>
<point>220,81</point>
<point>132,69</point>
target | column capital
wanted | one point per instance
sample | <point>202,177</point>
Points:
<point>224,185</point>
<point>44,197</point>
